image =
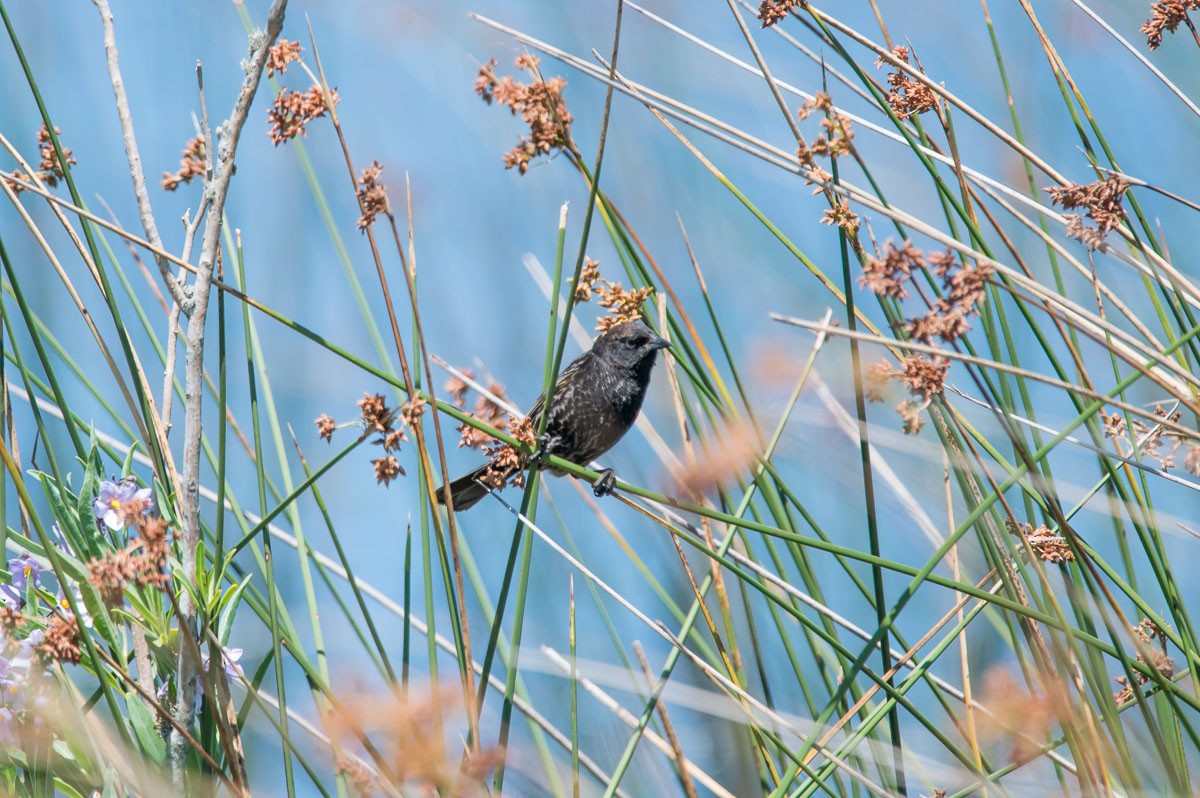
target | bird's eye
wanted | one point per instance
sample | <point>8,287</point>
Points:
<point>632,343</point>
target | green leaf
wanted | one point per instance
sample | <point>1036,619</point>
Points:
<point>92,470</point>
<point>229,605</point>
<point>145,726</point>
<point>61,787</point>
<point>127,466</point>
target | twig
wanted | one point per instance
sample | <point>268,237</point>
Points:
<point>189,491</point>
<point>190,228</point>
<point>177,291</point>
<point>685,778</point>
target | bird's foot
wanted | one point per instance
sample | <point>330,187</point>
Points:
<point>539,454</point>
<point>604,483</point>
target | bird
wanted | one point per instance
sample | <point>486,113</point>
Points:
<point>596,400</point>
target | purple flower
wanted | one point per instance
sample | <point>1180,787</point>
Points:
<point>7,734</point>
<point>112,496</point>
<point>12,597</point>
<point>64,605</point>
<point>60,539</point>
<point>23,569</point>
<point>113,499</point>
<point>11,695</point>
<point>231,657</point>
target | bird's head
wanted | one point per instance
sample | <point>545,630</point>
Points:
<point>629,345</point>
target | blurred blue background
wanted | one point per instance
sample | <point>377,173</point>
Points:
<point>404,72</point>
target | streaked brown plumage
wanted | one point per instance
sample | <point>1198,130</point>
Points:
<point>596,400</point>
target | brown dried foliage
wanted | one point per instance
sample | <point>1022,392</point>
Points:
<point>910,414</point>
<point>841,215</point>
<point>191,165</point>
<point>489,412</point>
<point>1020,716</point>
<point>1151,642</point>
<point>836,138</point>
<point>886,276</point>
<point>1153,441</point>
<point>60,643</point>
<point>964,289</point>
<point>325,427</point>
<point>539,103</point>
<point>387,468</point>
<point>587,280</point>
<point>907,96</point>
<point>1102,204</point>
<point>1191,462</point>
<point>411,410</point>
<point>1046,545</point>
<point>924,378</point>
<point>283,53</point>
<point>723,457</point>
<point>375,413</point>
<point>457,387</point>
<point>143,560</point>
<point>877,379</point>
<point>405,731</point>
<point>293,110</point>
<point>772,12</point>
<point>622,305</point>
<point>1166,16</point>
<point>50,169</point>
<point>377,417</point>
<point>10,619</point>
<point>361,779</point>
<point>507,462</point>
<point>372,196</point>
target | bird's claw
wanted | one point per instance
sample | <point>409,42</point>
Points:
<point>539,454</point>
<point>604,483</point>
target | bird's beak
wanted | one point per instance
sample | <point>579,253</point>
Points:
<point>659,343</point>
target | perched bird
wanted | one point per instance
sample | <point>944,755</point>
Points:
<point>596,400</point>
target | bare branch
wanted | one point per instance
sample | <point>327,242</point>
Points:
<point>222,147</point>
<point>174,287</point>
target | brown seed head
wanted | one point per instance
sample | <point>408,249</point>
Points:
<point>1166,15</point>
<point>387,468</point>
<point>1047,545</point>
<point>622,305</point>
<point>587,280</point>
<point>1191,462</point>
<point>372,196</point>
<point>325,427</point>
<point>924,378</point>
<point>293,110</point>
<point>540,104</point>
<point>910,414</point>
<point>60,643</point>
<point>1102,203</point>
<point>191,165</point>
<point>841,215</point>
<point>886,276</point>
<point>908,96</point>
<point>282,54</point>
<point>723,457</point>
<point>457,388</point>
<point>877,379</point>
<point>50,169</point>
<point>772,12</point>
<point>375,413</point>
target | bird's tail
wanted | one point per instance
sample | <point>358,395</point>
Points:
<point>467,490</point>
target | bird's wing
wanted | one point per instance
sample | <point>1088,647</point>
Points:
<point>568,374</point>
